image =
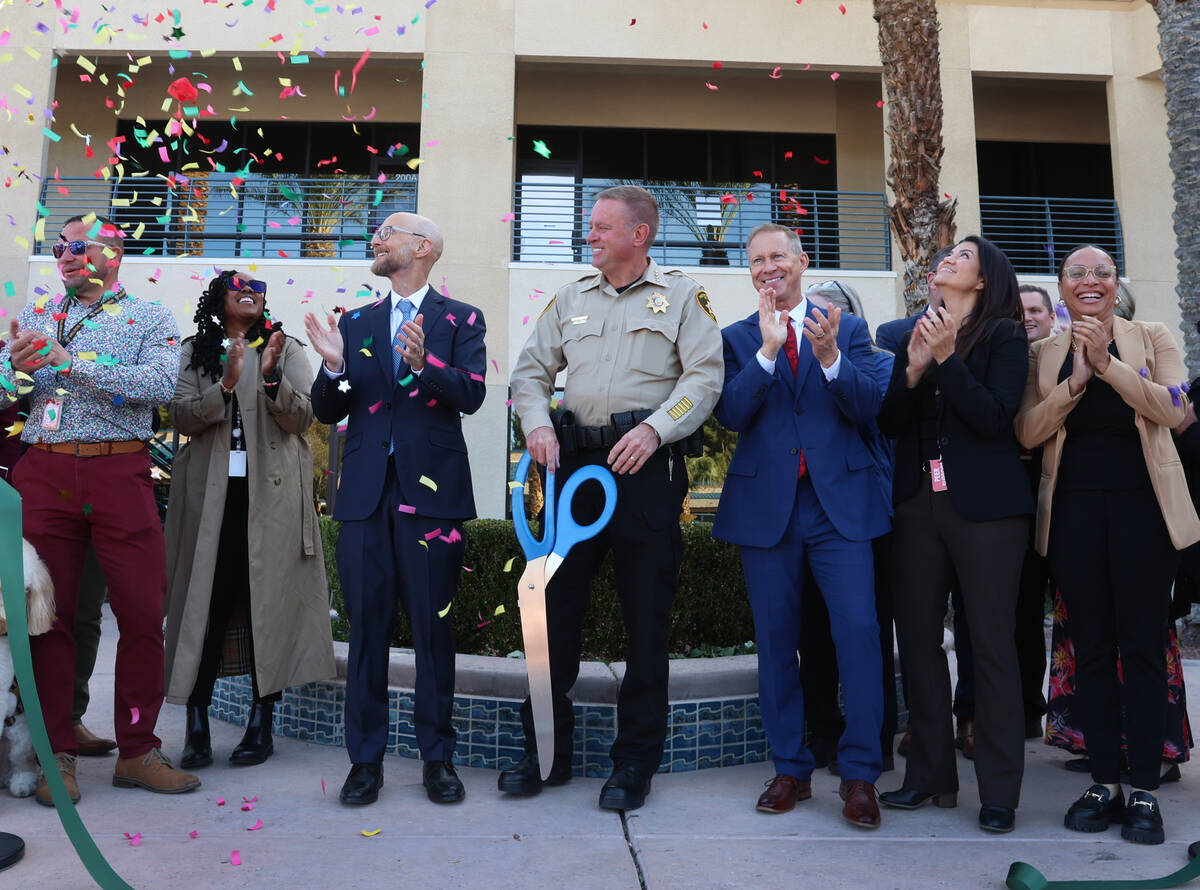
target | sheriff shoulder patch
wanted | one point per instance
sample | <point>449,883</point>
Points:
<point>702,299</point>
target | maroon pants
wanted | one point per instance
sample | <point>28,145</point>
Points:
<point>65,501</point>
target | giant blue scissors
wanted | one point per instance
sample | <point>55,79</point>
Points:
<point>560,532</point>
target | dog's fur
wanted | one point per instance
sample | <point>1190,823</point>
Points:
<point>18,764</point>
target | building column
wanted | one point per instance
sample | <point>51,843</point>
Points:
<point>29,89</point>
<point>960,166</point>
<point>466,186</point>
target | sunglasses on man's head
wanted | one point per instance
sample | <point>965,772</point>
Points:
<point>251,284</point>
<point>77,248</point>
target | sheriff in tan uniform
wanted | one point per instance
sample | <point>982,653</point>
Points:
<point>643,356</point>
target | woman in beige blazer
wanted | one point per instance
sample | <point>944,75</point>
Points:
<point>1113,514</point>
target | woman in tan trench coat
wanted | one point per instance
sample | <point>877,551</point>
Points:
<point>242,532</point>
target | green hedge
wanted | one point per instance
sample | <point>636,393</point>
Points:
<point>711,608</point>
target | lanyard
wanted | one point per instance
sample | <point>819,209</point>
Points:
<point>63,340</point>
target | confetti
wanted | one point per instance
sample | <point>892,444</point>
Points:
<point>134,839</point>
<point>134,715</point>
<point>711,86</point>
<point>499,610</point>
<point>322,786</point>
<point>508,217</point>
<point>427,482</point>
<point>775,75</point>
<point>373,408</point>
<point>842,8</point>
<point>446,611</point>
<point>193,834</point>
<point>375,831</point>
<point>717,65</point>
<point>879,104</point>
<point>1145,372</point>
<point>540,147</point>
<point>508,565</point>
<point>405,508</point>
<point>256,826</point>
<point>235,858</point>
<point>834,76</point>
<point>220,801</point>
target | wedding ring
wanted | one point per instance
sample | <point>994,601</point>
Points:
<point>820,334</point>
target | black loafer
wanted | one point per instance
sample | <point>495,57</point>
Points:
<point>625,789</point>
<point>442,783</point>
<point>997,819</point>
<point>363,784</point>
<point>1143,820</point>
<point>910,798</point>
<point>525,779</point>
<point>197,748</point>
<point>12,848</point>
<point>1096,810</point>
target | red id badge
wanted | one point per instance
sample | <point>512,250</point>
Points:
<point>938,474</point>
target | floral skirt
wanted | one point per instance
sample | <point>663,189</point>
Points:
<point>1063,733</point>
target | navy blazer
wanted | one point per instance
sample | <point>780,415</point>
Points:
<point>775,416</point>
<point>422,417</point>
<point>890,334</point>
<point>979,398</point>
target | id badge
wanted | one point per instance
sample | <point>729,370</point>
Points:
<point>52,414</point>
<point>237,463</point>
<point>938,474</point>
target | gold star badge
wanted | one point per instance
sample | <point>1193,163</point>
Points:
<point>657,302</point>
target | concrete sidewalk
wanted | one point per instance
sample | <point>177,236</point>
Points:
<point>697,829</point>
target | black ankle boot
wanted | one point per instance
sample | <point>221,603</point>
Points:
<point>197,749</point>
<point>256,745</point>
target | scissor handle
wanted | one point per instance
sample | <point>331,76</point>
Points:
<point>569,532</point>
<point>531,545</point>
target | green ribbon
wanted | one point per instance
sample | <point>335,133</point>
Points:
<point>12,579</point>
<point>1023,876</point>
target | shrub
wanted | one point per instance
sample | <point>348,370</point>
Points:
<point>711,608</point>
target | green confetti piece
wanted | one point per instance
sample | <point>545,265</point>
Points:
<point>540,147</point>
<point>179,53</point>
<point>369,340</point>
<point>50,134</point>
<point>42,209</point>
<point>191,110</point>
<point>406,381</point>
<point>346,242</point>
<point>378,198</point>
<point>300,60</point>
<point>87,509</point>
<point>9,290</point>
<point>291,194</point>
<point>508,565</point>
<point>109,360</point>
<point>241,227</point>
<point>245,89</point>
<point>94,230</point>
<point>60,368</point>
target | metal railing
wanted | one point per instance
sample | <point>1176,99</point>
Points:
<point>705,225</point>
<point>1035,231</point>
<point>226,215</point>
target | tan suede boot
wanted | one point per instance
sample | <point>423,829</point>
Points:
<point>153,772</point>
<point>66,769</point>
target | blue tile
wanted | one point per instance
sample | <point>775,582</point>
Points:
<point>683,711</point>
<point>508,712</point>
<point>683,764</point>
<point>709,735</point>
<point>709,710</point>
<point>733,732</point>
<point>683,736</point>
<point>510,738</point>
<point>706,758</point>
<point>733,755</point>
<point>733,709</point>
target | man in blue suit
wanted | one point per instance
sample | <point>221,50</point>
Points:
<point>804,487</point>
<point>404,369</point>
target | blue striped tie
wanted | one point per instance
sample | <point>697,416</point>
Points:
<point>407,311</point>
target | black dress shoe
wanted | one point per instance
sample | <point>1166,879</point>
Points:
<point>256,745</point>
<point>910,799</point>
<point>1193,850</point>
<point>1170,774</point>
<point>197,748</point>
<point>525,779</point>
<point>625,789</point>
<point>442,783</point>
<point>997,819</point>
<point>363,784</point>
<point>1143,819</point>
<point>1096,810</point>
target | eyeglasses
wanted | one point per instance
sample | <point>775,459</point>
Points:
<point>1103,272</point>
<point>251,284</point>
<point>77,248</point>
<point>385,232</point>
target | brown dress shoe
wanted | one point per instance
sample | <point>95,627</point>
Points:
<point>91,745</point>
<point>905,741</point>
<point>860,810</point>
<point>153,772</point>
<point>782,793</point>
<point>966,739</point>
<point>66,769</point>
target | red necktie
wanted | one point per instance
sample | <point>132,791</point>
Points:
<point>793,357</point>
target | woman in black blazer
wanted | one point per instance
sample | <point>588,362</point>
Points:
<point>962,504</point>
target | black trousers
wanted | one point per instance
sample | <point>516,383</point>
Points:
<point>818,660</point>
<point>931,544</point>
<point>231,588</point>
<point>647,548</point>
<point>1114,564</point>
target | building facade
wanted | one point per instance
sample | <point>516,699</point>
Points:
<point>310,122</point>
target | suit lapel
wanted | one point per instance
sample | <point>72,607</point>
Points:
<point>380,325</point>
<point>1052,357</point>
<point>1130,346</point>
<point>433,307</point>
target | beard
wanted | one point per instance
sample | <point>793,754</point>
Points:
<point>385,265</point>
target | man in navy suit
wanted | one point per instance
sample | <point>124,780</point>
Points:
<point>804,487</point>
<point>404,369</point>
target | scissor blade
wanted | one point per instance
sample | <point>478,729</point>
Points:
<point>531,597</point>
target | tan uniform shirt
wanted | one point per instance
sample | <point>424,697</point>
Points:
<point>656,345</point>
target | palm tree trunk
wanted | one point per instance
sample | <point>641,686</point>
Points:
<point>1179,46</point>
<point>922,221</point>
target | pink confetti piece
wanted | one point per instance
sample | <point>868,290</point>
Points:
<point>235,858</point>
<point>842,8</point>
<point>249,800</point>
<point>220,801</point>
<point>322,786</point>
<point>525,321</point>
<point>403,508</point>
<point>508,217</point>
<point>193,834</point>
<point>775,75</point>
<point>834,76</point>
<point>256,826</point>
<point>429,536</point>
<point>508,403</point>
<point>434,360</point>
<point>496,365</point>
<point>431,403</point>
<point>375,407</point>
<point>247,807</point>
<point>467,569</point>
<point>134,715</point>
<point>711,86</point>
<point>477,377</point>
<point>450,318</point>
<point>134,839</point>
<point>454,535</point>
<point>471,320</point>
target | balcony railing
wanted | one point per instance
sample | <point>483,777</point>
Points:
<point>1034,232</point>
<point>224,215</point>
<point>705,225</point>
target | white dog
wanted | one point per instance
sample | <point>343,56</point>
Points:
<point>18,763</point>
